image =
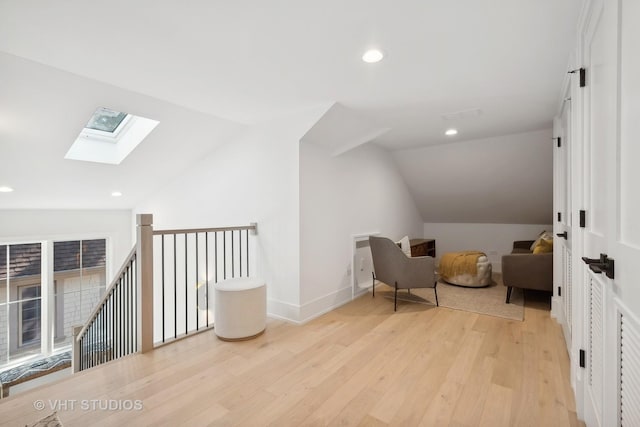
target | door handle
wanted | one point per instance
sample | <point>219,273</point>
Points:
<point>604,264</point>
<point>565,235</point>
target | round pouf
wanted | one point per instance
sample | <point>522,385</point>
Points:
<point>456,269</point>
<point>240,308</point>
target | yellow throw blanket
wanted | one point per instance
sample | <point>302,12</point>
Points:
<point>455,263</point>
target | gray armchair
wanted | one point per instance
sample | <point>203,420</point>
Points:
<point>394,268</point>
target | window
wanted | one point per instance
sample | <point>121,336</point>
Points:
<point>109,136</point>
<point>29,315</point>
<point>80,281</point>
<point>106,120</point>
<point>78,284</point>
<point>20,301</point>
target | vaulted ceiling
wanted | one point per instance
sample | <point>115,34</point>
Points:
<point>247,61</point>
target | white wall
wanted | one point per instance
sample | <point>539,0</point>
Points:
<point>33,225</point>
<point>252,178</point>
<point>357,192</point>
<point>493,239</point>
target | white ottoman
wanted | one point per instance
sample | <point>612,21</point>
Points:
<point>240,308</point>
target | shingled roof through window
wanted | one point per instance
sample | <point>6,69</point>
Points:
<point>25,259</point>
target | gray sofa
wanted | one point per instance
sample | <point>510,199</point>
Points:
<point>522,269</point>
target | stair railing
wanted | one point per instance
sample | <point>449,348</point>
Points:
<point>188,263</point>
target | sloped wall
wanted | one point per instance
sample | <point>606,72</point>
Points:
<point>500,180</point>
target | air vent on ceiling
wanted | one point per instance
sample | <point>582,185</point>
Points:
<point>463,114</point>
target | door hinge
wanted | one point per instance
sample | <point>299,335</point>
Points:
<point>559,141</point>
<point>559,216</point>
<point>583,356</point>
<point>583,75</point>
<point>559,291</point>
<point>583,219</point>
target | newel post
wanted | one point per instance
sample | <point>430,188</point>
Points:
<point>144,259</point>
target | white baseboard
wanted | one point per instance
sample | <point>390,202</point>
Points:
<point>557,313</point>
<point>555,305</point>
<point>300,314</point>
<point>283,310</point>
<point>324,304</point>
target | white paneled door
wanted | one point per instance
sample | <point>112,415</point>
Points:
<point>563,303</point>
<point>607,151</point>
<point>625,230</point>
<point>598,136</point>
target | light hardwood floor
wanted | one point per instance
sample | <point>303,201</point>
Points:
<point>361,364</point>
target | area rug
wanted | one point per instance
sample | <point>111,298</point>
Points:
<point>488,300</point>
<point>48,421</point>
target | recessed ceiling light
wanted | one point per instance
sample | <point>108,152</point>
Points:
<point>5,189</point>
<point>116,194</point>
<point>451,132</point>
<point>372,55</point>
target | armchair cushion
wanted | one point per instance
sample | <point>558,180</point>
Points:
<point>405,245</point>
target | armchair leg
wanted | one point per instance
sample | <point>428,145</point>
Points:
<point>395,298</point>
<point>373,285</point>
<point>435,290</point>
<point>509,289</point>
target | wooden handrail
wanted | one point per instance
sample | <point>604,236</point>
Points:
<point>107,294</point>
<point>204,230</point>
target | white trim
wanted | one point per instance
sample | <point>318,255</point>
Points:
<point>325,304</point>
<point>47,329</point>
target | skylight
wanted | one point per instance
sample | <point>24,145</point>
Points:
<point>106,120</point>
<point>110,136</point>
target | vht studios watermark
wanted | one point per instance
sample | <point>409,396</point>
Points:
<point>88,405</point>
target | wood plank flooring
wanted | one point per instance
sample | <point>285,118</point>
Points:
<point>360,365</point>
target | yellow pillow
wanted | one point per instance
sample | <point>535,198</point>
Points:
<point>544,246</point>
<point>544,235</point>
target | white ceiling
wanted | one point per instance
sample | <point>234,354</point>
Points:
<point>247,61</point>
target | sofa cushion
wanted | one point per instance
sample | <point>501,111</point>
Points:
<point>520,251</point>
